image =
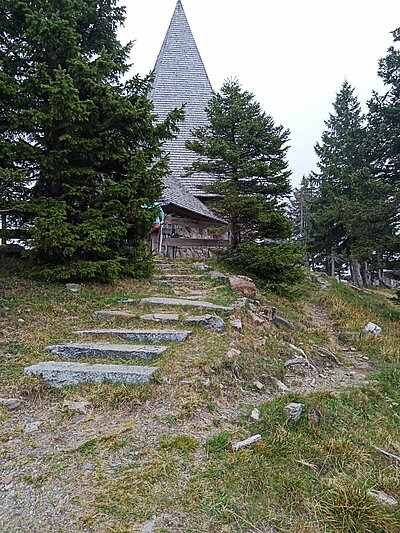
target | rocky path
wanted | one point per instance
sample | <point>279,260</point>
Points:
<point>42,442</point>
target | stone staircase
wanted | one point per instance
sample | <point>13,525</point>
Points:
<point>76,367</point>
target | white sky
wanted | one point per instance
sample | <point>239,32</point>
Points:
<point>292,54</point>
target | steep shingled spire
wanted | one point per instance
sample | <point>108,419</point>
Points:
<point>180,78</point>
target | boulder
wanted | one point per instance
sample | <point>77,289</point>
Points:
<point>243,286</point>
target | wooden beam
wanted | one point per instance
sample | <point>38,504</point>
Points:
<point>190,223</point>
<point>196,243</point>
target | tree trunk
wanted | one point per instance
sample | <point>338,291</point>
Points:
<point>332,266</point>
<point>307,261</point>
<point>3,240</point>
<point>356,277</point>
<point>366,274</point>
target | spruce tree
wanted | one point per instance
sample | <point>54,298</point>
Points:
<point>384,154</point>
<point>87,139</point>
<point>343,178</point>
<point>245,152</point>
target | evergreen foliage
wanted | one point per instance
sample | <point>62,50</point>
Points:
<point>351,213</point>
<point>245,152</point>
<point>86,139</point>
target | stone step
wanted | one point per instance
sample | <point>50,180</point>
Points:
<point>106,350</point>
<point>206,321</point>
<point>185,303</point>
<point>149,335</point>
<point>61,374</point>
<point>187,282</point>
<point>161,317</point>
<point>181,276</point>
<point>109,315</point>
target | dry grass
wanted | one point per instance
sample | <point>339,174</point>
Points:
<point>164,450</point>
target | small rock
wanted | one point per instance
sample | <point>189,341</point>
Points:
<point>372,328</point>
<point>87,466</point>
<point>241,303</point>
<point>73,287</point>
<point>314,417</point>
<point>328,355</point>
<point>294,411</point>
<point>299,350</point>
<point>281,386</point>
<point>245,443</point>
<point>206,383</point>
<point>382,497</point>
<point>21,321</point>
<point>77,407</point>
<point>148,527</point>
<point>280,322</point>
<point>11,404</point>
<point>236,323</point>
<point>201,266</point>
<point>296,361</point>
<point>232,353</point>
<point>31,427</point>
<point>256,319</point>
<point>258,385</point>
<point>256,414</point>
<point>269,312</point>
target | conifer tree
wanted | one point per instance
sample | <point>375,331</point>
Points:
<point>341,182</point>
<point>245,152</point>
<point>86,138</point>
<point>384,154</point>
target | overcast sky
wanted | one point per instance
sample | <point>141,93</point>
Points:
<point>292,54</point>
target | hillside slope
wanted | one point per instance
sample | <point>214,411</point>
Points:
<point>158,457</point>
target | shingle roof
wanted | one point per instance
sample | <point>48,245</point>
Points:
<point>176,195</point>
<point>181,78</point>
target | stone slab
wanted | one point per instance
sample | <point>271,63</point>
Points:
<point>109,315</point>
<point>106,350</point>
<point>176,282</point>
<point>161,317</point>
<point>149,335</point>
<point>61,374</point>
<point>181,276</point>
<point>206,321</point>
<point>186,303</point>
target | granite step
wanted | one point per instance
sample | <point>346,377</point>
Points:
<point>163,318</point>
<point>146,335</point>
<point>187,282</point>
<point>109,315</point>
<point>181,276</point>
<point>61,374</point>
<point>178,302</point>
<point>106,350</point>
